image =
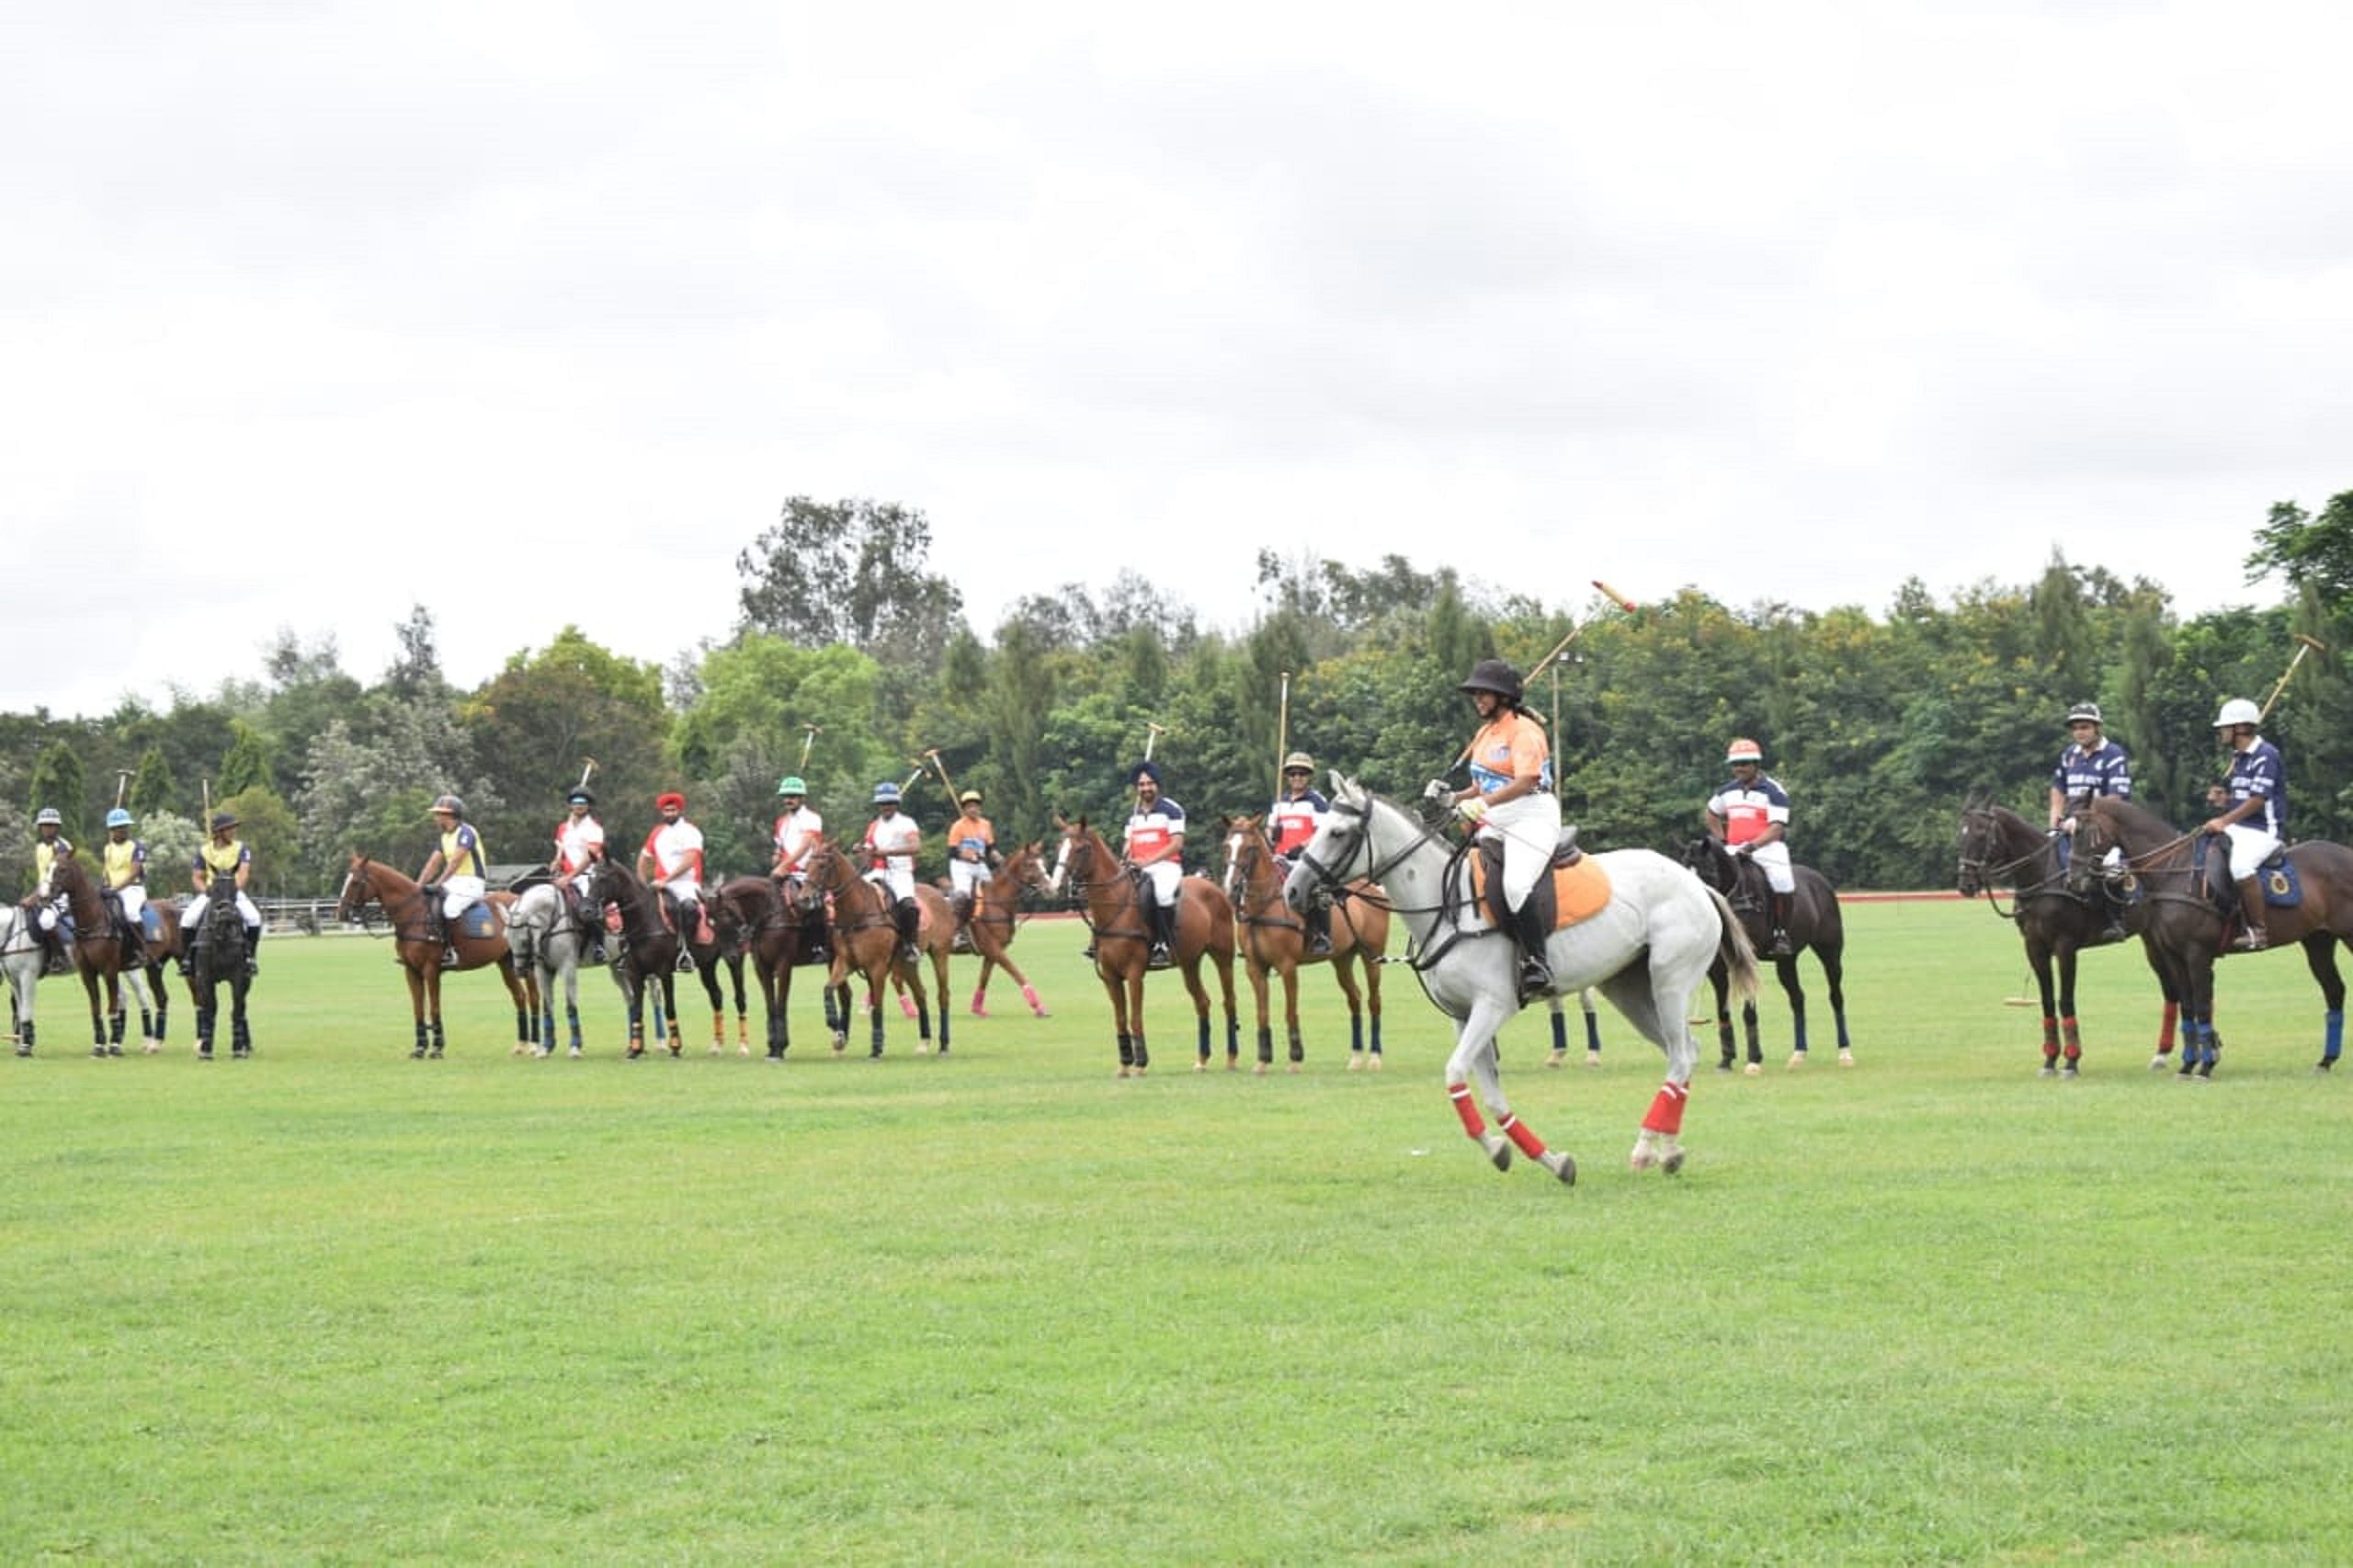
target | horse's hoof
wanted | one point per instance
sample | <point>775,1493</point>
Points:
<point>576,1053</point>
<point>1672,1164</point>
<point>1644,1158</point>
<point>923,1048</point>
<point>2071,1071</point>
<point>1846,1059</point>
<point>2160,1062</point>
<point>1755,1068</point>
<point>1259,1071</point>
<point>1296,1067</point>
<point>99,1051</point>
<point>1200,1066</point>
<point>1797,1059</point>
<point>522,1048</point>
<point>2048,1072</point>
<point>435,1053</point>
<point>1372,1063</point>
<point>1356,1061</point>
<point>151,1047</point>
<point>2324,1063</point>
<point>1556,1058</point>
<point>1558,1162</point>
<point>1040,1012</point>
<point>416,1055</point>
<point>1593,1058</point>
<point>744,1049</point>
<point>1498,1151</point>
<point>979,1012</point>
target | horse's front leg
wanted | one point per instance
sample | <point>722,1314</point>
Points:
<point>1200,995</point>
<point>1254,969</point>
<point>1721,981</point>
<point>97,1018</point>
<point>1475,1057</point>
<point>415,978</point>
<point>1794,988</point>
<point>432,1007</point>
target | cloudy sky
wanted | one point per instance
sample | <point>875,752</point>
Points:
<point>535,313</point>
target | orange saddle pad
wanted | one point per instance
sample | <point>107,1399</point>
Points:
<point>1579,889</point>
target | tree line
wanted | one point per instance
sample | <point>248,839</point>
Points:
<point>1879,724</point>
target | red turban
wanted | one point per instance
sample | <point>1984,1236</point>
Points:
<point>664,802</point>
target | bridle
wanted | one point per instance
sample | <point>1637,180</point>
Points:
<point>1334,879</point>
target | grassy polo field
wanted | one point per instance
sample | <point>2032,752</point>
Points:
<point>336,1304</point>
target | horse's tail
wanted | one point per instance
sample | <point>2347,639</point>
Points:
<point>1733,948</point>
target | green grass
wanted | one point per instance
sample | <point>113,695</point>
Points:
<point>334,1304</point>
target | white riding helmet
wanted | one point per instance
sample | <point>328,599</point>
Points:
<point>2237,710</point>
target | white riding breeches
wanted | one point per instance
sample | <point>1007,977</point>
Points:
<point>1775,858</point>
<point>1165,876</point>
<point>459,895</point>
<point>1530,829</point>
<point>2250,847</point>
<point>968,877</point>
<point>899,884</point>
<point>193,915</point>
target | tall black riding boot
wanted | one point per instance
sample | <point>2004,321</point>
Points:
<point>909,914</point>
<point>252,950</point>
<point>1318,931</point>
<point>1163,937</point>
<point>1779,947</point>
<point>1535,964</point>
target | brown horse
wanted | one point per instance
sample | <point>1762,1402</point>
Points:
<point>2193,908</point>
<point>1814,922</point>
<point>865,940</point>
<point>1274,938</point>
<point>1112,897</point>
<point>995,919</point>
<point>650,944</point>
<point>755,918</point>
<point>100,952</point>
<point>1999,848</point>
<point>419,952</point>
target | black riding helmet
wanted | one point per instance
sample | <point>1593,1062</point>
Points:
<point>1493,674</point>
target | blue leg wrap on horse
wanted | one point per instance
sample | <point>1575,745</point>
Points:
<point>2333,1035</point>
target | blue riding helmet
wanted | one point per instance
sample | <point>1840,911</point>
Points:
<point>886,791</point>
<point>118,818</point>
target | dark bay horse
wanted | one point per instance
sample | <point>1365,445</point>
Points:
<point>995,917</point>
<point>755,919</point>
<point>1814,922</point>
<point>1274,939</point>
<point>648,954</point>
<point>2188,921</point>
<point>1112,897</point>
<point>419,951</point>
<point>865,940</point>
<point>217,955</point>
<point>102,951</point>
<point>2000,848</point>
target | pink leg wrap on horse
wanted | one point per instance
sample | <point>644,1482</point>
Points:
<point>1029,995</point>
<point>1468,1109</point>
<point>1666,1110</point>
<point>979,997</point>
<point>1523,1137</point>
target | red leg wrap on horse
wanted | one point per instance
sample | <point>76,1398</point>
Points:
<point>2050,1034</point>
<point>1666,1110</point>
<point>2075,1038</point>
<point>1523,1137</point>
<point>1468,1109</point>
<point>2165,1026</point>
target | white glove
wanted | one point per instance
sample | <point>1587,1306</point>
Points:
<point>1473,810</point>
<point>1438,791</point>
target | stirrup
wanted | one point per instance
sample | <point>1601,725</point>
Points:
<point>1159,957</point>
<point>2254,939</point>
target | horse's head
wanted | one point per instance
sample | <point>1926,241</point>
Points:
<point>1329,860</point>
<point>2096,832</point>
<point>358,890</point>
<point>1246,855</point>
<point>1083,858</point>
<point>1026,868</point>
<point>1977,841</point>
<point>1711,862</point>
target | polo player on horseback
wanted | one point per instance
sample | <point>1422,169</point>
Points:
<point>124,862</point>
<point>891,840</point>
<point>1749,814</point>
<point>799,829</point>
<point>1155,845</point>
<point>2255,823</point>
<point>1291,823</point>
<point>2092,765</point>
<point>972,852</point>
<point>224,855</point>
<point>1510,796</point>
<point>50,846</point>
<point>672,860</point>
<point>579,845</point>
<point>459,859</point>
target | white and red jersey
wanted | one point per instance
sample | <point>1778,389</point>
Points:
<point>675,848</point>
<point>578,843</point>
<point>1150,833</point>
<point>796,832</point>
<point>1747,810</point>
<point>1292,820</point>
<point>891,842</point>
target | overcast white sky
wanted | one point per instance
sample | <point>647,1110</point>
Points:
<point>535,313</point>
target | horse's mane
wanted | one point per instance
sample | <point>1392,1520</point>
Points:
<point>2135,816</point>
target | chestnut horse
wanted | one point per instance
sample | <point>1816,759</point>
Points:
<point>995,919</point>
<point>649,953</point>
<point>1814,922</point>
<point>419,952</point>
<point>1999,848</point>
<point>99,953</point>
<point>1112,897</point>
<point>866,940</point>
<point>2193,906</point>
<point>754,918</point>
<point>1274,938</point>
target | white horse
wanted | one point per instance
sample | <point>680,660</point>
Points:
<point>22,960</point>
<point>1647,950</point>
<point>546,945</point>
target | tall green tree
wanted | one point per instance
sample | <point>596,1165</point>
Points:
<point>247,764</point>
<point>535,726</point>
<point>2305,548</point>
<point>850,572</point>
<point>58,781</point>
<point>152,789</point>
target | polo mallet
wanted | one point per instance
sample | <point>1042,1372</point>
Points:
<point>1614,597</point>
<point>587,767</point>
<point>2303,645</point>
<point>1283,733</point>
<point>1152,732</point>
<point>206,785</point>
<point>908,783</point>
<point>808,739</point>
<point>945,782</point>
<point>121,784</point>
